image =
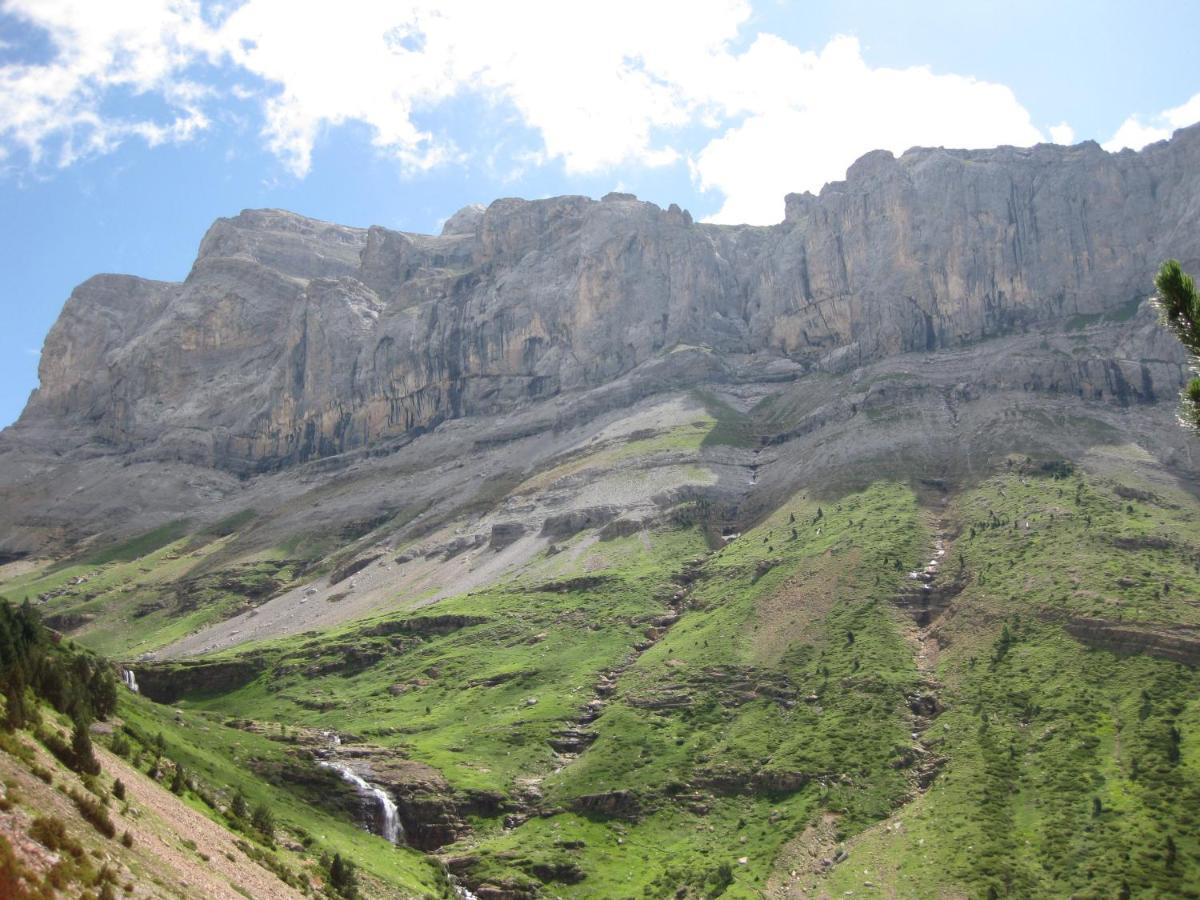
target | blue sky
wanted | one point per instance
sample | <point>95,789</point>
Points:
<point>127,127</point>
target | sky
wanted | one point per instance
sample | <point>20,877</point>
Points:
<point>128,126</point>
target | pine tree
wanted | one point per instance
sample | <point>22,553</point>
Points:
<point>81,750</point>
<point>15,714</point>
<point>1180,306</point>
<point>342,878</point>
<point>237,806</point>
<point>264,822</point>
<point>179,782</point>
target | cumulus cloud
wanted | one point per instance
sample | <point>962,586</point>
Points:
<point>802,130</point>
<point>1135,132</point>
<point>137,47</point>
<point>601,85</point>
<point>1062,133</point>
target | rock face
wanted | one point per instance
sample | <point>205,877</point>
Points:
<point>293,339</point>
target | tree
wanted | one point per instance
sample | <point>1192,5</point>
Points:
<point>264,822</point>
<point>81,750</point>
<point>179,782</point>
<point>237,806</point>
<point>341,876</point>
<point>1180,305</point>
<point>15,712</point>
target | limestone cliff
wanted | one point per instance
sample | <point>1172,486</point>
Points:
<point>293,339</point>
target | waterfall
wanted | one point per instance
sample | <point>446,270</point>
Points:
<point>389,820</point>
<point>129,679</point>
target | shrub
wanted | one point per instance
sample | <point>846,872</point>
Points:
<point>95,813</point>
<point>120,745</point>
<point>50,832</point>
<point>237,806</point>
<point>342,877</point>
<point>264,822</point>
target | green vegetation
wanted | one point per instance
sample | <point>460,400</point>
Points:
<point>731,427</point>
<point>649,716</point>
<point>122,604</point>
<point>34,666</point>
<point>1180,304</point>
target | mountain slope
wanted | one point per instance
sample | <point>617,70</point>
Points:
<point>590,551</point>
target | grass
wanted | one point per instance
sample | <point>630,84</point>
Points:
<point>229,759</point>
<point>122,605</point>
<point>777,699</point>
<point>1040,728</point>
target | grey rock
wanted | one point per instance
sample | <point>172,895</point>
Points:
<point>505,534</point>
<point>300,346</point>
<point>293,339</point>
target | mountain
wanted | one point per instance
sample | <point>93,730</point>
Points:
<point>625,555</point>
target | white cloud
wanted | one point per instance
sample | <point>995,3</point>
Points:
<point>601,85</point>
<point>1135,133</point>
<point>138,46</point>
<point>593,86</point>
<point>1062,133</point>
<point>804,127</point>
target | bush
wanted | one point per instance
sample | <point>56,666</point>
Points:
<point>342,877</point>
<point>120,745</point>
<point>264,822</point>
<point>95,813</point>
<point>50,832</point>
<point>237,806</point>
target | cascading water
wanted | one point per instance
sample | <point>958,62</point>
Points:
<point>389,819</point>
<point>129,680</point>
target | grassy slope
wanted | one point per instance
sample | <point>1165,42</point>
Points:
<point>151,590</point>
<point>559,642</point>
<point>1038,733</point>
<point>740,759</point>
<point>164,860</point>
<point>693,767</point>
<point>226,759</point>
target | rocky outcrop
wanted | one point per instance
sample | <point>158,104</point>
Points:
<point>293,339</point>
<point>1176,643</point>
<point>168,682</point>
<point>619,804</point>
<point>505,534</point>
